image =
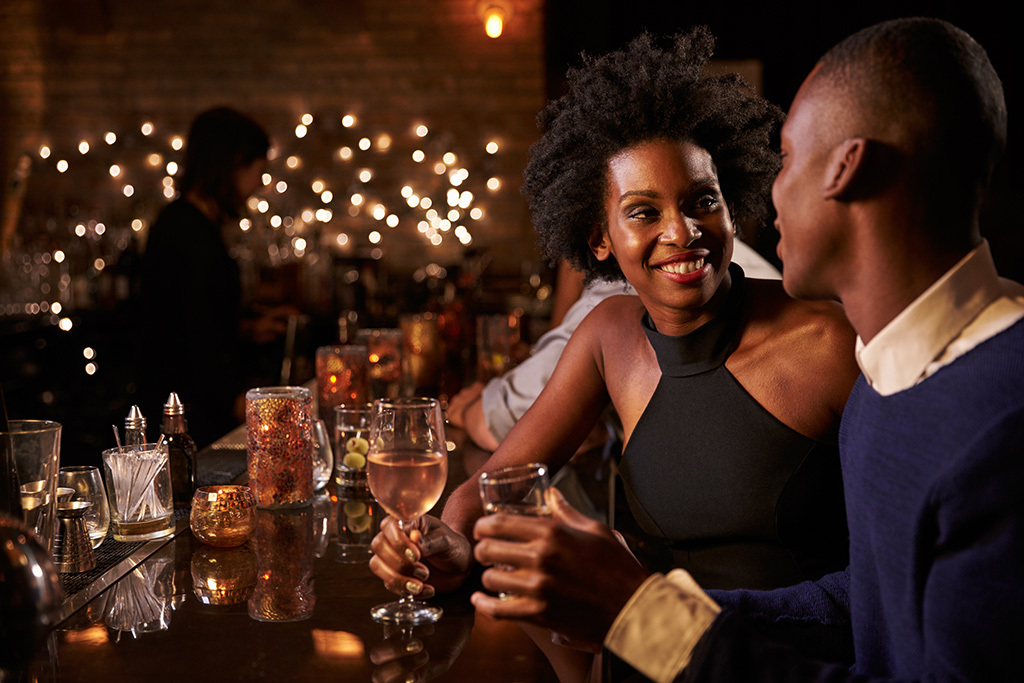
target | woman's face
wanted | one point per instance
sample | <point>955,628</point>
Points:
<point>669,228</point>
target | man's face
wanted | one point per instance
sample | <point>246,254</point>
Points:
<point>807,237</point>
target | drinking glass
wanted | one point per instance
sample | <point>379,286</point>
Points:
<point>496,335</point>
<point>351,429</point>
<point>138,482</point>
<point>515,490</point>
<point>323,456</point>
<point>407,471</point>
<point>342,376</point>
<point>36,448</point>
<point>87,484</point>
<point>384,347</point>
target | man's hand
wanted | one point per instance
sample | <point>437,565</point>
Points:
<point>432,550</point>
<point>567,572</point>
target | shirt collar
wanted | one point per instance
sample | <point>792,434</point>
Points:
<point>897,357</point>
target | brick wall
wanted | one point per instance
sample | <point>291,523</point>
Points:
<point>75,69</point>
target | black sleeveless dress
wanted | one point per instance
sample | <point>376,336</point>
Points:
<point>716,484</point>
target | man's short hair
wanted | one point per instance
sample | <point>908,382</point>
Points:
<point>935,81</point>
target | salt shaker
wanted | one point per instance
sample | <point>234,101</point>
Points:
<point>134,428</point>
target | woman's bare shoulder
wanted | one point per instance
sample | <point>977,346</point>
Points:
<point>809,348</point>
<point>773,308</point>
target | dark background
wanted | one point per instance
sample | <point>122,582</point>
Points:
<point>40,367</point>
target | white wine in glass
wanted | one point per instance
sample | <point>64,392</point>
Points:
<point>407,467</point>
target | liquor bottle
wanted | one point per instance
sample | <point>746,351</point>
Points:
<point>181,451</point>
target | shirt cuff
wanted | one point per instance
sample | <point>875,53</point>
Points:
<point>659,627</point>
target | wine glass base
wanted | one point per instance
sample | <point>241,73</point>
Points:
<point>406,613</point>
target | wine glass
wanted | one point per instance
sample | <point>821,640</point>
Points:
<point>87,483</point>
<point>407,468</point>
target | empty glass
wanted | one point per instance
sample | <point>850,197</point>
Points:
<point>323,456</point>
<point>385,347</point>
<point>87,484</point>
<point>37,458</point>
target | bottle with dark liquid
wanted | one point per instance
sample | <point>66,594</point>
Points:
<point>181,451</point>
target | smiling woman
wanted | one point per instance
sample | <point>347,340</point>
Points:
<point>728,391</point>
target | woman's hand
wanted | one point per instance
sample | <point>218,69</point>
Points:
<point>432,551</point>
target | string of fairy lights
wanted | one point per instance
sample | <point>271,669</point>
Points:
<point>332,184</point>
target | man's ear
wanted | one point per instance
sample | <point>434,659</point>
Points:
<point>845,169</point>
<point>600,245</point>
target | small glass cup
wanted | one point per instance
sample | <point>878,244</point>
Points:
<point>86,484</point>
<point>342,376</point>
<point>385,347</point>
<point>515,490</point>
<point>323,456</point>
<point>496,335</point>
<point>424,351</point>
<point>351,431</point>
<point>223,516</point>
<point>138,481</point>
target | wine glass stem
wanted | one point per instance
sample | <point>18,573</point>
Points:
<point>407,598</point>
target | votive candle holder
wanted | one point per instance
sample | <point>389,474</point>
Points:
<point>223,516</point>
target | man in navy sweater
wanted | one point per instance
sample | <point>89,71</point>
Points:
<point>888,150</point>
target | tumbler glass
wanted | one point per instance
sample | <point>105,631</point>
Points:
<point>87,484</point>
<point>342,376</point>
<point>351,431</point>
<point>139,492</point>
<point>384,347</point>
<point>37,458</point>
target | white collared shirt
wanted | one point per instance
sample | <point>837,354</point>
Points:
<point>969,304</point>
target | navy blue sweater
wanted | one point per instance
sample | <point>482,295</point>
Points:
<point>934,483</point>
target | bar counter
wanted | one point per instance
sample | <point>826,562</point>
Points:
<point>150,616</point>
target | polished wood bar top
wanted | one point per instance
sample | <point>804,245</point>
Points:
<point>290,605</point>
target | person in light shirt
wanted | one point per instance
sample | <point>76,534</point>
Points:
<point>888,150</point>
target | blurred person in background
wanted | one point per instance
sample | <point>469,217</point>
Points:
<point>191,287</point>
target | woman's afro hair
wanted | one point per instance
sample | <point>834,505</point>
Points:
<point>655,88</point>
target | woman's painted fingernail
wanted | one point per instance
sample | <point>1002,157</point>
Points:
<point>421,573</point>
<point>413,646</point>
<point>413,587</point>
<point>410,555</point>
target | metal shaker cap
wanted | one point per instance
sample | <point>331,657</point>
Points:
<point>135,419</point>
<point>174,406</point>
